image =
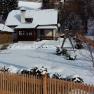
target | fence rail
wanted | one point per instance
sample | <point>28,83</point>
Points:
<point>24,84</point>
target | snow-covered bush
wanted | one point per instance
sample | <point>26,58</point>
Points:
<point>4,69</point>
<point>58,51</point>
<point>57,76</point>
<point>35,71</point>
<point>65,53</point>
<point>43,70</point>
<point>40,73</point>
<point>13,69</point>
<point>74,78</point>
<point>9,69</point>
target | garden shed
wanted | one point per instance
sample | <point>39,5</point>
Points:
<point>6,34</point>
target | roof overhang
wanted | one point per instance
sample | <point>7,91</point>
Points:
<point>32,26</point>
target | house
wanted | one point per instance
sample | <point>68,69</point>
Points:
<point>31,25</point>
<point>5,34</point>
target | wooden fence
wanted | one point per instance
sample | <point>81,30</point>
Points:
<point>24,84</point>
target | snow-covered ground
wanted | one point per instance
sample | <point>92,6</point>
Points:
<point>31,54</point>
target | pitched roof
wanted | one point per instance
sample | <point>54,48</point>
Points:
<point>40,17</point>
<point>4,28</point>
<point>13,18</point>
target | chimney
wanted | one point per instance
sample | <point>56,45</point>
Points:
<point>23,11</point>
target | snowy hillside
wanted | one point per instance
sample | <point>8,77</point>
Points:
<point>31,54</point>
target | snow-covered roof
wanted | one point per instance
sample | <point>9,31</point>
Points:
<point>40,17</point>
<point>26,26</point>
<point>47,27</point>
<point>30,5</point>
<point>5,28</point>
<point>13,18</point>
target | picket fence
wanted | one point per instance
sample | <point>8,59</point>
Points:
<point>25,84</point>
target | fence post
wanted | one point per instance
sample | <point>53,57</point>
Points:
<point>45,84</point>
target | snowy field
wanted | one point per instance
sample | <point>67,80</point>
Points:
<point>31,54</point>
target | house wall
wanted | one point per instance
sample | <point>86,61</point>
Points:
<point>6,38</point>
<point>26,35</point>
<point>46,34</point>
<point>33,34</point>
<point>50,34</point>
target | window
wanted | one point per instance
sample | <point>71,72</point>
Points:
<point>29,20</point>
<point>30,33</point>
<point>20,33</point>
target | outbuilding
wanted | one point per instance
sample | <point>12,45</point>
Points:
<point>6,34</point>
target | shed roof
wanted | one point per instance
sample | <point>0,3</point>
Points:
<point>4,28</point>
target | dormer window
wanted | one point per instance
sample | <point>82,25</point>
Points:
<point>28,20</point>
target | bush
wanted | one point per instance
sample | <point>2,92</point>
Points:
<point>65,53</point>
<point>56,76</point>
<point>74,78</point>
